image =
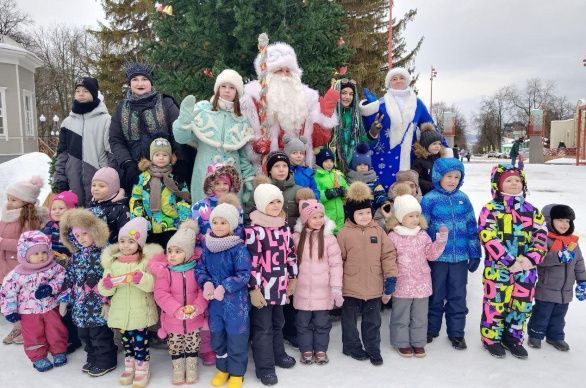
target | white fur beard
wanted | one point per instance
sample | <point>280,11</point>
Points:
<point>286,103</point>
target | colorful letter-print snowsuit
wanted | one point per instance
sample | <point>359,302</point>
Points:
<point>508,228</point>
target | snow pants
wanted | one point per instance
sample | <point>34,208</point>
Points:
<point>408,325</point>
<point>99,345</point>
<point>267,338</point>
<point>43,333</point>
<point>448,296</point>
<point>370,326</point>
<point>313,330</point>
<point>229,336</point>
<point>548,320</point>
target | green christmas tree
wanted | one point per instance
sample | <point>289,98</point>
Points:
<point>203,38</point>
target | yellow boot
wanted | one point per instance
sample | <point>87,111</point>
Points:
<point>220,379</point>
<point>235,382</point>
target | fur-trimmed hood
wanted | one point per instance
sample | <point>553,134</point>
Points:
<point>329,226</point>
<point>84,219</point>
<point>112,252</point>
<point>421,152</point>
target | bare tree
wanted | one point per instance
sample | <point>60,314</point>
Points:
<point>13,21</point>
<point>439,110</point>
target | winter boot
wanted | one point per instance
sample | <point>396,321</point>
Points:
<point>235,382</point>
<point>97,371</point>
<point>59,360</point>
<point>419,352</point>
<point>43,365</point>
<point>285,362</point>
<point>458,343</point>
<point>430,337</point>
<point>495,350</point>
<point>191,370</point>
<point>560,345</point>
<point>306,358</point>
<point>178,371</point>
<point>359,354</point>
<point>269,379</point>
<point>14,333</point>
<point>517,350</point>
<point>141,374</point>
<point>220,379</point>
<point>128,374</point>
<point>405,352</point>
<point>86,367</point>
<point>321,358</point>
<point>376,359</point>
<point>534,343</point>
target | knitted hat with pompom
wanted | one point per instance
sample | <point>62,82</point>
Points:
<point>26,191</point>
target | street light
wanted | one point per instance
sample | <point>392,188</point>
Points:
<point>42,119</point>
<point>55,121</point>
<point>433,74</point>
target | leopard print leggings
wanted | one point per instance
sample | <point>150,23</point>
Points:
<point>183,345</point>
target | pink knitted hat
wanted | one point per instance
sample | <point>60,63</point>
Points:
<point>309,207</point>
<point>27,191</point>
<point>136,229</point>
<point>30,243</point>
<point>110,177</point>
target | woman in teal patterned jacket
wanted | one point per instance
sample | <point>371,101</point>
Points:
<point>216,127</point>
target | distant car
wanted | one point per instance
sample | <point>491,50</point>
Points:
<point>494,154</point>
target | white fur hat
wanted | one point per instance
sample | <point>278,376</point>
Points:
<point>279,55</point>
<point>264,194</point>
<point>396,71</point>
<point>228,212</point>
<point>231,77</point>
<point>405,204</point>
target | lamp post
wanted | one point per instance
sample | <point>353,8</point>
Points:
<point>42,119</point>
<point>55,125</point>
<point>433,74</point>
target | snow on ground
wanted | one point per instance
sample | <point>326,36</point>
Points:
<point>23,168</point>
<point>443,366</point>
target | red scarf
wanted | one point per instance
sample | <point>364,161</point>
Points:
<point>559,242</point>
<point>128,259</point>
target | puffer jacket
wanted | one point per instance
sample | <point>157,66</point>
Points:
<point>83,149</point>
<point>200,212</point>
<point>317,276</point>
<point>369,258</point>
<point>132,306</point>
<point>555,280</point>
<point>114,211</point>
<point>304,177</point>
<point>454,210</point>
<point>423,164</point>
<point>18,291</point>
<point>174,209</point>
<point>289,189</point>
<point>505,237</point>
<point>413,252</point>
<point>173,290</point>
<point>334,207</point>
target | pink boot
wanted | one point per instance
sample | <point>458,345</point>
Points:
<point>141,374</point>
<point>207,355</point>
<point>128,374</point>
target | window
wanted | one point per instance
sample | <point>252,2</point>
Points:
<point>29,121</point>
<point>3,128</point>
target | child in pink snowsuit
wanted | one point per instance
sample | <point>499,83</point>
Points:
<point>29,295</point>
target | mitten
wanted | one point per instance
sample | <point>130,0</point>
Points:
<point>566,255</point>
<point>580,291</point>
<point>442,235</point>
<point>390,284</point>
<point>105,311</point>
<point>187,110</point>
<point>107,282</point>
<point>136,276</point>
<point>331,193</point>
<point>369,96</point>
<point>13,318</point>
<point>341,191</point>
<point>62,309</point>
<point>257,299</point>
<point>291,286</point>
<point>473,265</point>
<point>43,291</point>
<point>336,297</point>
<point>329,101</point>
<point>219,293</point>
<point>208,291</point>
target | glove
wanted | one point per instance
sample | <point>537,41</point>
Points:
<point>390,284</point>
<point>291,286</point>
<point>208,291</point>
<point>187,110</point>
<point>13,318</point>
<point>369,96</point>
<point>376,126</point>
<point>61,187</point>
<point>580,291</point>
<point>257,299</point>
<point>136,276</point>
<point>336,297</point>
<point>107,282</point>
<point>473,265</point>
<point>442,235</point>
<point>219,293</point>
<point>43,291</point>
<point>62,309</point>
<point>341,191</point>
<point>105,311</point>
<point>332,193</point>
<point>516,267</point>
<point>385,299</point>
<point>566,255</point>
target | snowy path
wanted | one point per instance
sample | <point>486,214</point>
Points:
<point>443,366</point>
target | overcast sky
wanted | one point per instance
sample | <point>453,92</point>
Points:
<point>476,46</point>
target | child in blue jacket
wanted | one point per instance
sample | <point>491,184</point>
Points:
<point>447,205</point>
<point>303,175</point>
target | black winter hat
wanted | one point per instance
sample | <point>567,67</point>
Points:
<point>135,69</point>
<point>562,212</point>
<point>358,197</point>
<point>91,84</point>
<point>274,157</point>
<point>429,136</point>
<point>324,154</point>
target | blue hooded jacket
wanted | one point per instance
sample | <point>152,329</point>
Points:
<point>454,210</point>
